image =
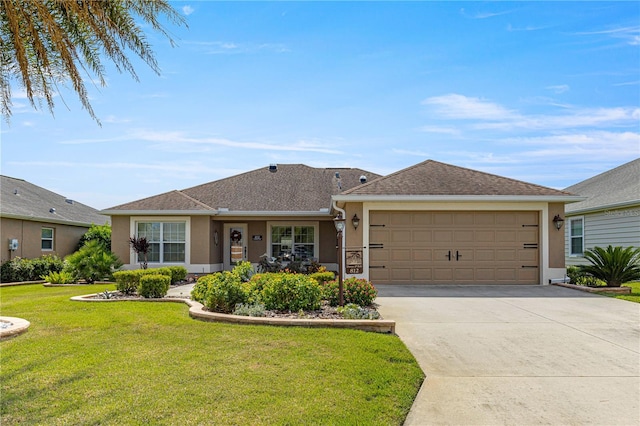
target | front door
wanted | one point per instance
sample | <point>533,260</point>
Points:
<point>235,244</point>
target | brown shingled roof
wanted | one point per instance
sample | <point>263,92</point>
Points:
<point>292,188</point>
<point>434,178</point>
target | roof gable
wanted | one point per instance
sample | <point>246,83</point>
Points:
<point>24,200</point>
<point>616,187</point>
<point>434,178</point>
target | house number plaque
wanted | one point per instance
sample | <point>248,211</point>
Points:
<point>353,262</point>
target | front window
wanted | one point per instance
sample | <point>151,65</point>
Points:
<point>576,237</point>
<point>46,239</point>
<point>293,242</point>
<point>167,241</point>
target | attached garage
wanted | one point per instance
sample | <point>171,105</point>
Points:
<point>434,224</point>
<point>454,247</point>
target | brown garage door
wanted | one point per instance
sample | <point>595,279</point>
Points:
<point>454,247</point>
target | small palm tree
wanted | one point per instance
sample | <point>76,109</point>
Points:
<point>613,265</point>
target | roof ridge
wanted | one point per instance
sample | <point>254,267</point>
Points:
<point>194,200</point>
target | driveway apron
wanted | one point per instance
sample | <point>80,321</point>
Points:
<point>519,355</point>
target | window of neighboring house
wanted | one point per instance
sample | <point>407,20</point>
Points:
<point>296,241</point>
<point>576,236</point>
<point>167,241</point>
<point>46,239</point>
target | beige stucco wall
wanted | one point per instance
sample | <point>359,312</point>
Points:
<point>556,238</point>
<point>328,252</point>
<point>29,234</point>
<point>215,255</point>
<point>353,236</point>
<point>256,248</point>
<point>200,239</point>
<point>120,238</point>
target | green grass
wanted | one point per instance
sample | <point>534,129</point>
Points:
<point>150,363</point>
<point>633,297</point>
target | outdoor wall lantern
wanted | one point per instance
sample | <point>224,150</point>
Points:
<point>338,221</point>
<point>355,220</point>
<point>558,221</point>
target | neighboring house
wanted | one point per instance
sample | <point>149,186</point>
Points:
<point>35,221</point>
<point>432,223</point>
<point>610,214</point>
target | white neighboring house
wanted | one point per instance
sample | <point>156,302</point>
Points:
<point>610,215</point>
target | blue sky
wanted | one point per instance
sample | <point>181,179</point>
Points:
<point>543,92</point>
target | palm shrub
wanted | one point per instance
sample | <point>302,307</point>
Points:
<point>62,277</point>
<point>93,262</point>
<point>613,265</point>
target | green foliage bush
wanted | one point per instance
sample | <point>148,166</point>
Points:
<point>356,290</point>
<point>219,292</point>
<point>93,262</point>
<point>63,277</point>
<point>127,281</point>
<point>244,270</point>
<point>323,277</point>
<point>154,286</point>
<point>291,292</point>
<point>353,311</point>
<point>20,269</point>
<point>613,265</point>
<point>178,273</point>
<point>101,233</point>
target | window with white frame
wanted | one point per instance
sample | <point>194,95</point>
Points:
<point>576,236</point>
<point>46,239</point>
<point>167,241</point>
<point>293,242</point>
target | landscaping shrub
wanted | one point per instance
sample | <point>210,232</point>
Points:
<point>219,292</point>
<point>244,270</point>
<point>613,265</point>
<point>249,310</point>
<point>253,288</point>
<point>20,269</point>
<point>154,286</point>
<point>127,281</point>
<point>291,292</point>
<point>93,262</point>
<point>356,290</point>
<point>323,277</point>
<point>178,273</point>
<point>101,233</point>
<point>63,277</point>
<point>353,311</point>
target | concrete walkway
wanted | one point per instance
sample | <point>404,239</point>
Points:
<point>514,355</point>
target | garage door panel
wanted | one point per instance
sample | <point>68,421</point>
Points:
<point>420,247</point>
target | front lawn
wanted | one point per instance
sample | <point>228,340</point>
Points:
<point>150,363</point>
<point>633,297</point>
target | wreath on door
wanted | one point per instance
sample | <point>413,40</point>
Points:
<point>236,236</point>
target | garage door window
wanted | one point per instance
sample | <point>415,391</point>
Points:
<point>576,229</point>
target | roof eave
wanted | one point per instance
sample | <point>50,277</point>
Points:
<point>117,212</point>
<point>604,207</point>
<point>47,220</point>
<point>460,198</point>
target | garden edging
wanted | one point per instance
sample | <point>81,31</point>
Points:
<point>615,290</point>
<point>196,311</point>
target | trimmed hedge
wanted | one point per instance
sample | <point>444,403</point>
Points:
<point>127,282</point>
<point>291,292</point>
<point>154,286</point>
<point>20,269</point>
<point>220,292</point>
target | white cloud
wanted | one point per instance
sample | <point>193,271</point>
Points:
<point>187,10</point>
<point>227,47</point>
<point>440,130</point>
<point>462,107</point>
<point>558,89</point>
<point>485,115</point>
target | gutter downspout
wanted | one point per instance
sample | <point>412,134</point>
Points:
<point>344,215</point>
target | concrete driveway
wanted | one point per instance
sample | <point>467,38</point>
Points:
<point>519,355</point>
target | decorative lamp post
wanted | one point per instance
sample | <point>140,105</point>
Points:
<point>339,222</point>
